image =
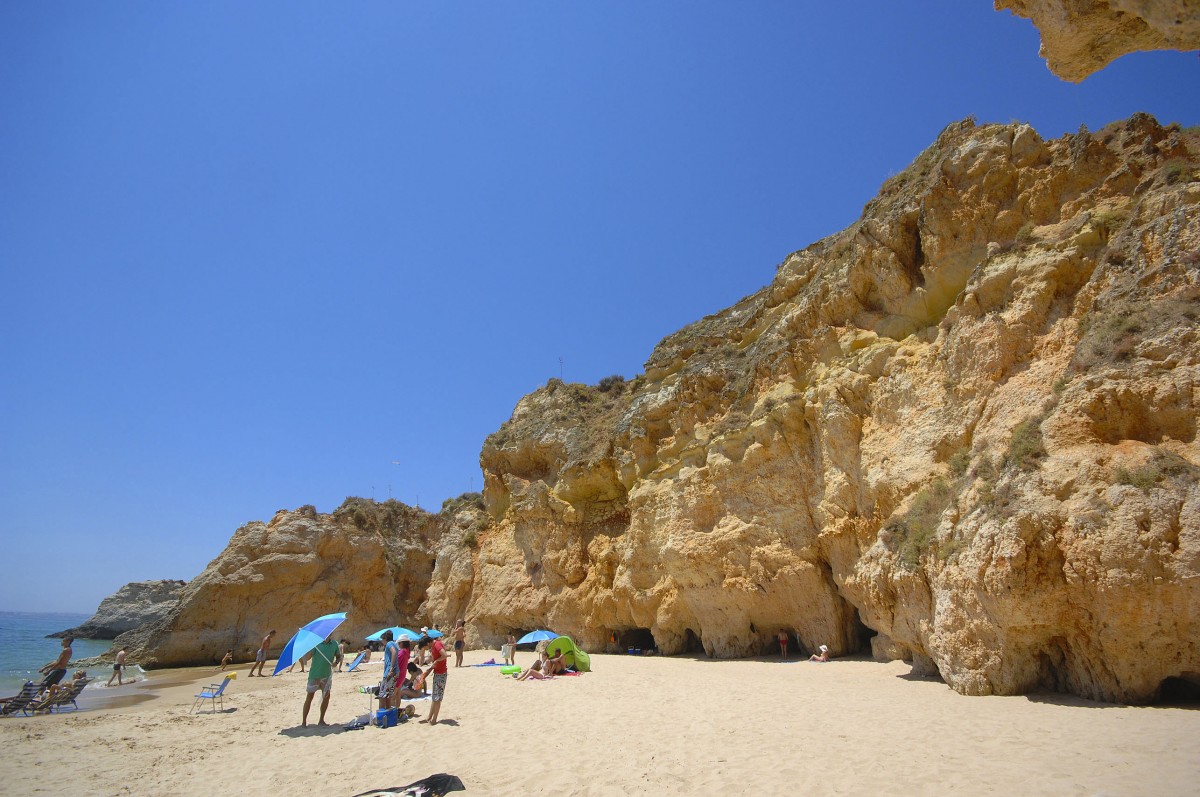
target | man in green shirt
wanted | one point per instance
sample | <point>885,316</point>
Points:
<point>320,676</point>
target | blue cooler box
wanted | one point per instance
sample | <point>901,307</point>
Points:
<point>387,717</point>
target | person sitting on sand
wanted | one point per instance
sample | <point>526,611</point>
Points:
<point>555,664</point>
<point>260,658</point>
<point>822,656</point>
<point>406,686</point>
<point>226,660</point>
<point>534,672</point>
<point>118,665</point>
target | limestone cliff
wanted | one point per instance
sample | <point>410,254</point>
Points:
<point>371,560</point>
<point>1080,37</point>
<point>962,431</point>
<point>133,605</point>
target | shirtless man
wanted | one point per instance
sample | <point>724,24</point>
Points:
<point>460,641</point>
<point>261,658</point>
<point>55,670</point>
<point>118,666</point>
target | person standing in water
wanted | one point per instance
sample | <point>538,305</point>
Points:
<point>118,665</point>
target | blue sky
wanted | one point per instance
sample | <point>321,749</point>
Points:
<point>254,253</point>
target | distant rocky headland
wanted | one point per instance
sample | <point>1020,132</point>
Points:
<point>961,432</point>
<point>132,606</point>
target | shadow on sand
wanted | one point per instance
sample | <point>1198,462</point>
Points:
<point>301,731</point>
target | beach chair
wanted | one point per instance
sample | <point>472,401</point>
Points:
<point>357,661</point>
<point>213,692</point>
<point>20,701</point>
<point>66,695</point>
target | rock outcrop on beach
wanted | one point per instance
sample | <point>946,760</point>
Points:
<point>133,605</point>
<point>960,432</point>
<point>1080,37</point>
<point>372,560</point>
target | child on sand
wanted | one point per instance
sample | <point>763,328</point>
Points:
<point>226,660</point>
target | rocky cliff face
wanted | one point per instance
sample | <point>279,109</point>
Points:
<point>1080,37</point>
<point>962,431</point>
<point>371,560</point>
<point>133,605</point>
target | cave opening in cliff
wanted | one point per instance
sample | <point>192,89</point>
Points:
<point>1177,691</point>
<point>863,634</point>
<point>635,639</point>
<point>692,643</point>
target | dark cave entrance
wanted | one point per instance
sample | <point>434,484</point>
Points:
<point>692,643</point>
<point>635,639</point>
<point>1179,692</point>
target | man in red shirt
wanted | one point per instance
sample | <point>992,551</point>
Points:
<point>440,672</point>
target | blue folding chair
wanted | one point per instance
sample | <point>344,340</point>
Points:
<point>213,692</point>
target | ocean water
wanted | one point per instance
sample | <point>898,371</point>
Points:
<point>24,648</point>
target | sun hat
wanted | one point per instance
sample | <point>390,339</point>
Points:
<point>824,649</point>
<point>404,638</point>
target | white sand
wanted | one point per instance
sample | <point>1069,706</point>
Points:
<point>634,726</point>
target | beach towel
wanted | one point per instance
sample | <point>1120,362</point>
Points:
<point>488,663</point>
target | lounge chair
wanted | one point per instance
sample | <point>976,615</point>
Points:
<point>213,692</point>
<point>357,661</point>
<point>66,694</point>
<point>20,701</point>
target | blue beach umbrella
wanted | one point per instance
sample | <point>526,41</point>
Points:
<point>433,633</point>
<point>396,630</point>
<point>307,638</point>
<point>536,636</point>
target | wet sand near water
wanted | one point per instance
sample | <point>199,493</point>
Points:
<point>636,725</point>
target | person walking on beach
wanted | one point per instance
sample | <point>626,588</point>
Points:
<point>118,665</point>
<point>226,660</point>
<point>320,677</point>
<point>783,640</point>
<point>440,673</point>
<point>460,641</point>
<point>55,670</point>
<point>261,658</point>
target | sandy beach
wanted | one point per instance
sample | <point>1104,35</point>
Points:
<point>635,725</point>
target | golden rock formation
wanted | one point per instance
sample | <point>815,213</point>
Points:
<point>962,432</point>
<point>372,560</point>
<point>1080,37</point>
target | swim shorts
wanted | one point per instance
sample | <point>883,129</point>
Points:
<point>385,688</point>
<point>323,684</point>
<point>439,686</point>
<point>116,668</point>
<point>262,655</point>
<point>458,644</point>
<point>53,677</point>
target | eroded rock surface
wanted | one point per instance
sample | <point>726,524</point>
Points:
<point>133,605</point>
<point>1080,37</point>
<point>371,560</point>
<point>962,431</point>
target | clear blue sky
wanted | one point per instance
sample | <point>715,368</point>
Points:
<point>253,253</point>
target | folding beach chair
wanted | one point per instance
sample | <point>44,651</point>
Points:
<point>213,692</point>
<point>20,701</point>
